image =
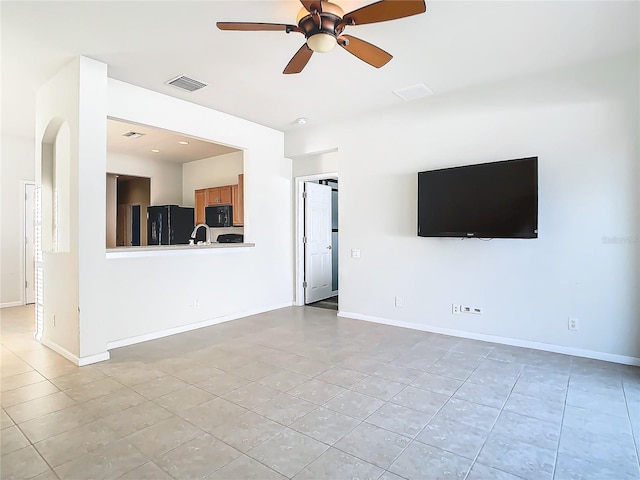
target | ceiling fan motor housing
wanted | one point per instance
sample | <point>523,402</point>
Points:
<point>320,28</point>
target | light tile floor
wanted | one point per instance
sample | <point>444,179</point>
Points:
<point>299,393</point>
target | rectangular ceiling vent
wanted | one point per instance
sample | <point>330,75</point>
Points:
<point>132,134</point>
<point>186,83</point>
<point>414,92</point>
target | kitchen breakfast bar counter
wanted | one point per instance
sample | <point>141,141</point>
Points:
<point>174,250</point>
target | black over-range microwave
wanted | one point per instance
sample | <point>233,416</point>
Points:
<point>219,215</point>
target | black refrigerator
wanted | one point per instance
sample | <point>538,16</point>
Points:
<point>169,224</point>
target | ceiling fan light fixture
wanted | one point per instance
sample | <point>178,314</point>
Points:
<point>322,42</point>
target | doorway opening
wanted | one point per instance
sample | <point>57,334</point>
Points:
<point>127,200</point>
<point>29,243</point>
<point>317,239</point>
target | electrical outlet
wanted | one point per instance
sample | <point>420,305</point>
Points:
<point>355,253</point>
<point>196,304</point>
<point>455,309</point>
<point>573,324</point>
<point>465,309</point>
<point>399,302</point>
<point>477,310</point>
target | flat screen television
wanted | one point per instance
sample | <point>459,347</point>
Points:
<point>488,200</point>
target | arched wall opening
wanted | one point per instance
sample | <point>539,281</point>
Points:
<point>54,187</point>
<point>53,201</point>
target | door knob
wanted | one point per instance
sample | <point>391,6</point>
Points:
<point>329,247</point>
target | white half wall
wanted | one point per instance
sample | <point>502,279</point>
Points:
<point>583,125</point>
<point>129,298</point>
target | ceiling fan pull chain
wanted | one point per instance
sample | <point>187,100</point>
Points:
<point>317,19</point>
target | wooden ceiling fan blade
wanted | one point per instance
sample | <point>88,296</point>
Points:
<point>256,27</point>
<point>311,5</point>
<point>365,51</point>
<point>299,60</point>
<point>385,10</point>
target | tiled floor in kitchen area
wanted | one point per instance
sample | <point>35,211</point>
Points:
<point>299,393</point>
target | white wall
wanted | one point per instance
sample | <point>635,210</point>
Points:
<point>57,123</point>
<point>583,125</point>
<point>146,296</point>
<point>209,172</point>
<point>313,164</point>
<point>17,166</point>
<point>166,177</point>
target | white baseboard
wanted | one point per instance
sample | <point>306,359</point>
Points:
<point>578,352</point>
<point>98,357</point>
<point>17,303</point>
<point>80,361</point>
<point>191,326</point>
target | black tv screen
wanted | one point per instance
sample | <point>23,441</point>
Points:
<point>488,200</point>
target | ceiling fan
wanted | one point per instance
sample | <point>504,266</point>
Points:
<point>323,24</point>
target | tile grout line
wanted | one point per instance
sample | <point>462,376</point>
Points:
<point>494,424</point>
<point>434,415</point>
<point>564,409</point>
<point>633,433</point>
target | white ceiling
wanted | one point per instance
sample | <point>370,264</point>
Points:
<point>169,150</point>
<point>455,45</point>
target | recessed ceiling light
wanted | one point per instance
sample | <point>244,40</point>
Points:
<point>155,150</point>
<point>182,142</point>
<point>301,121</point>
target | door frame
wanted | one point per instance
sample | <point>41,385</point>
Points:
<point>23,251</point>
<point>299,231</point>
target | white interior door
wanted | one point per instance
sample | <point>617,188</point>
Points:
<point>317,247</point>
<point>29,245</point>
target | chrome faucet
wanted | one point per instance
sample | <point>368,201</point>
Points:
<point>192,240</point>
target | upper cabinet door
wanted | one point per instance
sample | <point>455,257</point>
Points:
<point>225,195</point>
<point>213,196</point>
<point>219,195</point>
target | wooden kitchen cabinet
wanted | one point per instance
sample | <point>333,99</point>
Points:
<point>200,203</point>
<point>206,197</point>
<point>219,195</point>
<point>237,192</point>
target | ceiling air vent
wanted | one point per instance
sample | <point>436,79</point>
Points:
<point>414,92</point>
<point>132,134</point>
<point>186,83</point>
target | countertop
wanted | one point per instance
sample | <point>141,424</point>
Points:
<point>161,250</point>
